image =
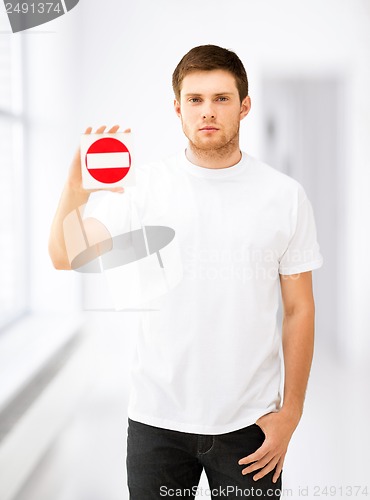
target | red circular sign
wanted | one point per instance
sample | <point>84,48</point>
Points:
<point>108,160</point>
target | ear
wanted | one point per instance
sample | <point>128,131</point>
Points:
<point>245,107</point>
<point>177,107</point>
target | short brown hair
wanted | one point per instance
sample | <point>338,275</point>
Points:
<point>207,58</point>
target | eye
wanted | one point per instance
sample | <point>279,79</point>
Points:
<point>222,98</point>
<point>194,99</point>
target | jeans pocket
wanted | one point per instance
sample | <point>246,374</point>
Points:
<point>260,430</point>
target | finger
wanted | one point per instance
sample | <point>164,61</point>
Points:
<point>76,156</point>
<point>127,131</point>
<point>279,468</point>
<point>262,473</point>
<point>259,464</point>
<point>88,130</point>
<point>100,130</point>
<point>113,130</point>
<point>117,190</point>
<point>257,455</point>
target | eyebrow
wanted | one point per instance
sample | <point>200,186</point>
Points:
<point>195,94</point>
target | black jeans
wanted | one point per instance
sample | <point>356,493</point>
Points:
<point>162,464</point>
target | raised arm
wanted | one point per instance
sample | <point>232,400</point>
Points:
<point>73,197</point>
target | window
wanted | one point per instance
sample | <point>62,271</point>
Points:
<point>13,275</point>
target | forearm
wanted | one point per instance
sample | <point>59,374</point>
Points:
<point>69,201</point>
<point>298,346</point>
<point>278,427</point>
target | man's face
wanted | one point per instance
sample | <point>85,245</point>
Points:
<point>210,109</point>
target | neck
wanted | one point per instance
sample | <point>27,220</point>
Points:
<point>224,157</point>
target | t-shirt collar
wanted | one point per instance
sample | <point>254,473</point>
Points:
<point>213,173</point>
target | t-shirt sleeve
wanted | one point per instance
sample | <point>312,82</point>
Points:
<point>111,209</point>
<point>120,212</point>
<point>303,252</point>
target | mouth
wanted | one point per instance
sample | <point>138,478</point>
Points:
<point>208,129</point>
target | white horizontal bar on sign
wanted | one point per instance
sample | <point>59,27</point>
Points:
<point>108,160</point>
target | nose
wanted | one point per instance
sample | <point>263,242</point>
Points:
<point>208,111</point>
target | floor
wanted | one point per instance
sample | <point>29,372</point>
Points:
<point>328,454</point>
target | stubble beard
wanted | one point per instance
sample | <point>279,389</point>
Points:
<point>219,150</point>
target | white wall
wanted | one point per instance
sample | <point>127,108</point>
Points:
<point>111,62</point>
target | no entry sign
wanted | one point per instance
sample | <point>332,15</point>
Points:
<point>106,160</point>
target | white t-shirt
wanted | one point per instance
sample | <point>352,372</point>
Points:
<point>208,360</point>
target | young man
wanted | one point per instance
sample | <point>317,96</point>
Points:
<point>207,375</point>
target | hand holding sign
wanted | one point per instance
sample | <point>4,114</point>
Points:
<point>75,171</point>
